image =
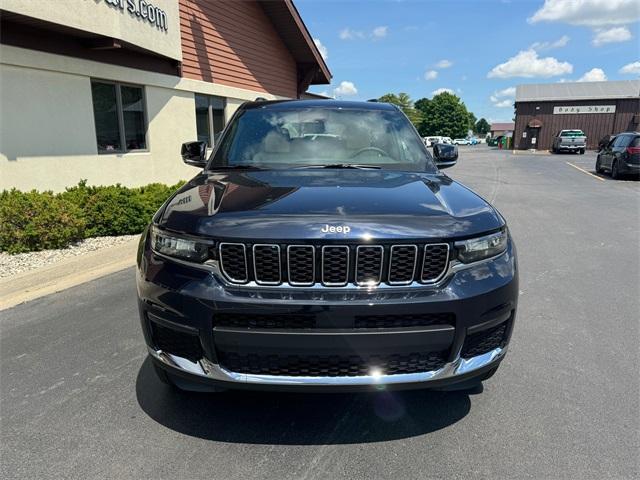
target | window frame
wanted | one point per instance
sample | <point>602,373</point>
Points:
<point>210,124</point>
<point>120,114</point>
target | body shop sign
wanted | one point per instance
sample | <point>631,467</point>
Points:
<point>144,10</point>
<point>585,109</point>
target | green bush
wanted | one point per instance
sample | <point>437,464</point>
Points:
<point>114,210</point>
<point>79,212</point>
<point>37,221</point>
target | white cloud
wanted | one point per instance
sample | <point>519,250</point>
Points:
<point>631,68</point>
<point>441,90</point>
<point>591,13</point>
<point>345,89</point>
<point>375,34</point>
<point>507,92</point>
<point>444,64</point>
<point>380,32</point>
<point>539,46</point>
<point>430,75</point>
<point>321,48</point>
<point>348,34</point>
<point>504,103</point>
<point>593,75</point>
<point>507,95</point>
<point>527,64</point>
<point>612,35</point>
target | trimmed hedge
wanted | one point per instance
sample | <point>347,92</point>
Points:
<point>39,220</point>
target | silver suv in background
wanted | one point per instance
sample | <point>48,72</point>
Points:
<point>570,141</point>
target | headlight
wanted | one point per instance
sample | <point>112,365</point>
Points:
<point>480,248</point>
<point>180,247</point>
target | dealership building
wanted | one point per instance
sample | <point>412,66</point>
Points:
<point>108,90</point>
<point>596,108</point>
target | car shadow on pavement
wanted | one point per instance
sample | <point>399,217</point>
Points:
<point>298,418</point>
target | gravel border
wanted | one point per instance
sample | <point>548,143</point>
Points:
<point>23,262</point>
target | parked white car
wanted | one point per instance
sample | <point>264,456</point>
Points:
<point>461,141</point>
<point>432,140</point>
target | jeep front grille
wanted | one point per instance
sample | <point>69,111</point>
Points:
<point>333,265</point>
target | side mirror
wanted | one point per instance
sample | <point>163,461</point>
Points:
<point>194,154</point>
<point>445,155</point>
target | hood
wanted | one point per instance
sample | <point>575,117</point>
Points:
<point>311,204</point>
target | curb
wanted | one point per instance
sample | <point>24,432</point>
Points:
<point>66,274</point>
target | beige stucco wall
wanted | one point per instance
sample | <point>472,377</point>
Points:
<point>101,17</point>
<point>47,131</point>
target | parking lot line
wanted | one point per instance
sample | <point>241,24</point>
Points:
<point>584,171</point>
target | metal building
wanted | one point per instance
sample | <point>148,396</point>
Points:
<point>596,108</point>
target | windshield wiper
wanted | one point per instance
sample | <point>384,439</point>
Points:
<point>342,165</point>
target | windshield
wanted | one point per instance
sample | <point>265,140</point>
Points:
<point>290,138</point>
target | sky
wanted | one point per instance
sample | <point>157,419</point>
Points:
<point>480,50</point>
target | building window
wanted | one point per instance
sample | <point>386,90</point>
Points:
<point>120,116</point>
<point>209,118</point>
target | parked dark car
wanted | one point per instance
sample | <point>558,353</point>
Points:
<point>621,156</point>
<point>321,248</point>
<point>494,141</point>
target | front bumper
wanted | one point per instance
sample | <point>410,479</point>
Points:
<point>481,297</point>
<point>205,372</point>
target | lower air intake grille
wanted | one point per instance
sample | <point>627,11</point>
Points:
<point>399,321</point>
<point>485,341</point>
<point>331,365</point>
<point>249,320</point>
<point>182,344</point>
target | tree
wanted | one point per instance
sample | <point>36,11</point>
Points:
<point>445,115</point>
<point>472,121</point>
<point>403,100</point>
<point>482,127</point>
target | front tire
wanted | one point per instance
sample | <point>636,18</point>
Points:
<point>581,151</point>
<point>598,165</point>
<point>615,173</point>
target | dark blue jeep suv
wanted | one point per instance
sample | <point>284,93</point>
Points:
<point>321,248</point>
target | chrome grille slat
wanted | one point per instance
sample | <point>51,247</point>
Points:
<point>266,264</point>
<point>335,265</point>
<point>369,261</point>
<point>301,265</point>
<point>235,265</point>
<point>434,262</point>
<point>402,264</point>
<point>394,265</point>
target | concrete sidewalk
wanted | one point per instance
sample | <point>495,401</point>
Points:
<point>66,273</point>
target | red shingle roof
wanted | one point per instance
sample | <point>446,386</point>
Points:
<point>503,126</point>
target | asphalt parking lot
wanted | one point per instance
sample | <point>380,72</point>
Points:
<point>79,399</point>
